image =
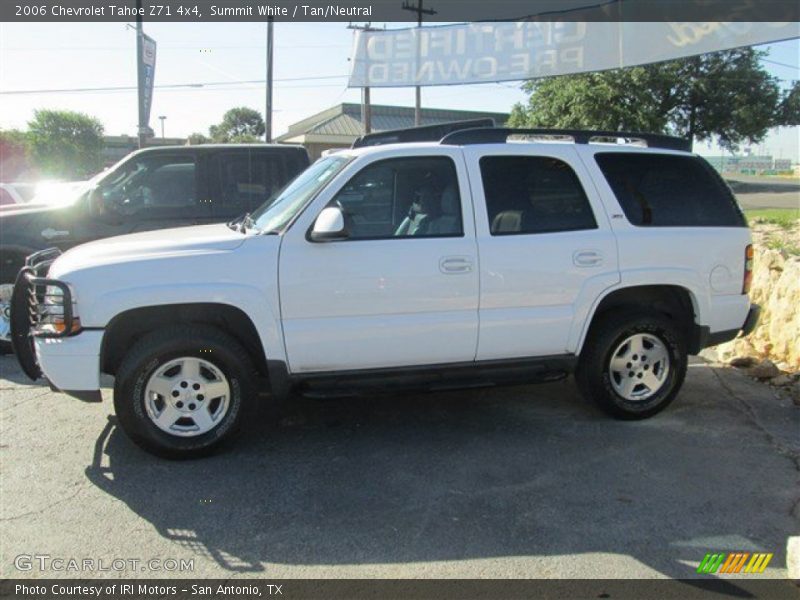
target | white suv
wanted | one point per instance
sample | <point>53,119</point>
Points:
<point>492,256</point>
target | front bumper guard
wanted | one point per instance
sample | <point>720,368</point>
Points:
<point>29,293</point>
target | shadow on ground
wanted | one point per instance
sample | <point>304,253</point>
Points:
<point>507,472</point>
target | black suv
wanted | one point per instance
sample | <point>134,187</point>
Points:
<point>153,188</point>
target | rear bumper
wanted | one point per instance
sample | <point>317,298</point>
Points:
<point>705,338</point>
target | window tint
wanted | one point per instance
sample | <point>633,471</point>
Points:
<point>246,180</point>
<point>155,186</point>
<point>533,194</point>
<point>403,197</point>
<point>662,190</point>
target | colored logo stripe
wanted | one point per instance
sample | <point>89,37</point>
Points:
<point>733,562</point>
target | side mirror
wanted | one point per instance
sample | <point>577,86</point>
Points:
<point>329,226</point>
<point>98,208</point>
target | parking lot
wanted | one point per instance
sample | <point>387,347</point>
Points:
<point>516,482</point>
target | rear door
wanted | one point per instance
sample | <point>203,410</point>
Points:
<point>241,180</point>
<point>545,247</point>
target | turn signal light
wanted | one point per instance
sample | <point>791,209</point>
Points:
<point>748,268</point>
<point>59,326</point>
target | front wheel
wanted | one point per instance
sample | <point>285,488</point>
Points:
<point>633,364</point>
<point>181,392</point>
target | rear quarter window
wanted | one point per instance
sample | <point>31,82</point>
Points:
<point>664,190</point>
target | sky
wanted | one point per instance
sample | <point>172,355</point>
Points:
<point>311,66</point>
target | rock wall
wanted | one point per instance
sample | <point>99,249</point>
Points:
<point>776,287</point>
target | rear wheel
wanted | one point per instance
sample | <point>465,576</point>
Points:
<point>633,364</point>
<point>181,392</point>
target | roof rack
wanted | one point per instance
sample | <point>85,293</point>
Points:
<point>427,133</point>
<point>499,135</point>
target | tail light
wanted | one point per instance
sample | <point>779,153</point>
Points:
<point>748,268</point>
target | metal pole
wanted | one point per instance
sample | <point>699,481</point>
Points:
<point>268,112</point>
<point>367,109</point>
<point>140,73</point>
<point>420,10</point>
<point>418,90</point>
<point>162,119</point>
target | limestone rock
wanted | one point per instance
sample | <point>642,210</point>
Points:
<point>766,369</point>
<point>776,287</point>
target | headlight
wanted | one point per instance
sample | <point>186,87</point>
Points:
<point>52,315</point>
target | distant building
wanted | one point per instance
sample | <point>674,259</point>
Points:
<point>752,165</point>
<point>339,126</point>
<point>783,164</point>
<point>118,147</point>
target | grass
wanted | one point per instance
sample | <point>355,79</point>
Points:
<point>783,217</point>
<point>783,246</point>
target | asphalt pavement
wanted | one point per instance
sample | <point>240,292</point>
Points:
<point>517,482</point>
<point>765,192</point>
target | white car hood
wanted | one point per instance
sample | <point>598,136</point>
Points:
<point>183,241</point>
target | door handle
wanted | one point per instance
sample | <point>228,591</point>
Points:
<point>587,258</point>
<point>455,264</point>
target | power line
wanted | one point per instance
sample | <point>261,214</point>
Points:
<point>124,88</point>
<point>780,64</point>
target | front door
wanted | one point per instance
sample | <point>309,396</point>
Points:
<point>402,290</point>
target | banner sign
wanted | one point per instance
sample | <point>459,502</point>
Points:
<point>509,51</point>
<point>148,66</point>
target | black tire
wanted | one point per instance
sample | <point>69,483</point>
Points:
<point>594,374</point>
<point>157,349</point>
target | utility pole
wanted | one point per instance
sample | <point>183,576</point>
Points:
<point>140,73</point>
<point>366,108</point>
<point>268,112</point>
<point>417,8</point>
<point>162,118</point>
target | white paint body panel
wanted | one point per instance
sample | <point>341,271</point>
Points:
<point>205,264</point>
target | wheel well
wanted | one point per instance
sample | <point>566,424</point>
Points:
<point>672,301</point>
<point>128,327</point>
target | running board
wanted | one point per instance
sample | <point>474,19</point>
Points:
<point>441,377</point>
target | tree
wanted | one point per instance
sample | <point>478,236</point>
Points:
<point>14,154</point>
<point>240,124</point>
<point>790,106</point>
<point>66,144</point>
<point>196,139</point>
<point>727,95</point>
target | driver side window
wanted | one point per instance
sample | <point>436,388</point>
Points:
<point>401,198</point>
<point>155,186</point>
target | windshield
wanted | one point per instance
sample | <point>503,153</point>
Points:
<point>59,192</point>
<point>276,214</point>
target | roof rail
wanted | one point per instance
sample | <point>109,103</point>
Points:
<point>426,133</point>
<point>499,135</point>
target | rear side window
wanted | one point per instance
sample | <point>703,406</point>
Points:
<point>663,190</point>
<point>533,194</point>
